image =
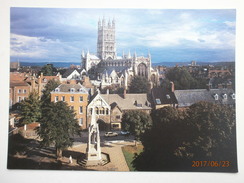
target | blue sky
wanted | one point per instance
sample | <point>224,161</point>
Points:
<point>55,34</point>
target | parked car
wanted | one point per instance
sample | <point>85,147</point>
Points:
<point>111,134</point>
<point>125,133</point>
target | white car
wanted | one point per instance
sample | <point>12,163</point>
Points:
<point>111,134</point>
<point>125,133</point>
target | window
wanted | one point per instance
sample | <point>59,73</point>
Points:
<point>19,91</point>
<point>24,91</point>
<point>81,109</point>
<point>225,96</point>
<point>97,110</point>
<point>56,98</point>
<point>72,107</point>
<point>72,99</point>
<point>168,96</point>
<point>72,90</point>
<point>57,90</point>
<point>81,122</point>
<point>118,117</point>
<point>216,97</point>
<point>19,99</point>
<point>63,98</point>
<point>81,98</point>
<point>158,101</point>
<point>107,111</point>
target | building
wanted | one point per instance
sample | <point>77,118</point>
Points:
<point>43,80</point>
<point>109,108</point>
<point>162,97</point>
<point>222,96</point>
<point>21,84</point>
<point>76,96</point>
<point>107,68</point>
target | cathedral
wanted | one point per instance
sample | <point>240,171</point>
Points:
<point>106,68</point>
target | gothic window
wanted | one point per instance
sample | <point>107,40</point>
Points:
<point>97,110</point>
<point>142,70</point>
<point>111,48</point>
<point>102,110</point>
<point>107,111</point>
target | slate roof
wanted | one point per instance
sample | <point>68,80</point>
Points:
<point>165,96</point>
<point>130,102</point>
<point>186,98</point>
<point>69,71</point>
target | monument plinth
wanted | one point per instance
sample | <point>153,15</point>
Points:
<point>93,150</point>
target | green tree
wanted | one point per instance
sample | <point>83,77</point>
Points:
<point>46,95</point>
<point>30,109</point>
<point>202,132</point>
<point>57,125</point>
<point>181,78</point>
<point>48,70</point>
<point>160,141</point>
<point>136,122</point>
<point>213,131</point>
<point>139,85</point>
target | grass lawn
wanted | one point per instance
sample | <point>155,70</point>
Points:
<point>129,152</point>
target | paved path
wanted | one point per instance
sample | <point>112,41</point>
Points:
<point>117,160</point>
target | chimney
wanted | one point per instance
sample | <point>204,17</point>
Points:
<point>208,87</point>
<point>124,95</point>
<point>172,86</point>
<point>220,86</point>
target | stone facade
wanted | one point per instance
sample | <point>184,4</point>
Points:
<point>107,68</point>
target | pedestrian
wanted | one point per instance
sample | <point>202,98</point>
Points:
<point>70,159</point>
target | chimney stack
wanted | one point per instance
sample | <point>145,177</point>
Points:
<point>172,86</point>
<point>124,95</point>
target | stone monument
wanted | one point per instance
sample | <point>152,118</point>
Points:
<point>93,151</point>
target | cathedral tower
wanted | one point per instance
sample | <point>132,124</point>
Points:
<point>106,48</point>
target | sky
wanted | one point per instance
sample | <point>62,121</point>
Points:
<point>170,35</point>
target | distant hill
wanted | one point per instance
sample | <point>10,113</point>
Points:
<point>172,64</point>
<point>167,64</point>
<point>55,64</point>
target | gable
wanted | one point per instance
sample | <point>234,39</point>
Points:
<point>98,101</point>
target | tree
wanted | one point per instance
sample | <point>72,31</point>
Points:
<point>160,141</point>
<point>203,132</point>
<point>57,125</point>
<point>136,122</point>
<point>213,131</point>
<point>30,109</point>
<point>50,86</point>
<point>139,84</point>
<point>181,78</point>
<point>48,70</point>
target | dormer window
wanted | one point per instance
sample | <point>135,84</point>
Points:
<point>81,90</point>
<point>168,96</point>
<point>233,96</point>
<point>225,96</point>
<point>216,96</point>
<point>72,90</point>
<point>158,101</point>
<point>56,89</point>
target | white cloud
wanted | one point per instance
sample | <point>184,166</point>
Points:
<point>230,24</point>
